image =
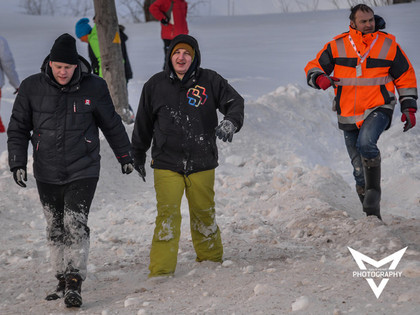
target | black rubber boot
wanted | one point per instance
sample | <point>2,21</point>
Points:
<point>58,292</point>
<point>372,170</point>
<point>72,296</point>
<point>361,193</point>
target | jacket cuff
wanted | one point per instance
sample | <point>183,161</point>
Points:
<point>407,103</point>
<point>125,158</point>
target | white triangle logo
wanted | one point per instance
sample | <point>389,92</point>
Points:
<point>361,258</point>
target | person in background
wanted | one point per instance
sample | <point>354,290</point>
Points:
<point>178,112</point>
<point>172,15</point>
<point>7,68</point>
<point>365,65</point>
<point>89,35</point>
<point>60,110</point>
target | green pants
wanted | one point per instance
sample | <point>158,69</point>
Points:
<point>199,190</point>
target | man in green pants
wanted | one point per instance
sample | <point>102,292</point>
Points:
<point>178,112</point>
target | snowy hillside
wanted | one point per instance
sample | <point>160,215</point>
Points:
<point>285,198</point>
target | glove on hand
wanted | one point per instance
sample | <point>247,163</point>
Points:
<point>164,21</point>
<point>127,168</point>
<point>141,170</point>
<point>19,175</point>
<point>324,81</point>
<point>225,130</point>
<point>408,116</point>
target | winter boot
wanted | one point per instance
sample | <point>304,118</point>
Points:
<point>58,293</point>
<point>72,296</point>
<point>372,199</point>
<point>360,192</point>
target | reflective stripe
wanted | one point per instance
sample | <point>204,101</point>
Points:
<point>340,48</point>
<point>407,91</point>
<point>364,81</point>
<point>346,120</point>
<point>385,48</point>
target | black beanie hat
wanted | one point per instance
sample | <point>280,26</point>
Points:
<point>64,50</point>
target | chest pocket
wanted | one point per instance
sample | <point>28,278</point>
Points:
<point>80,113</point>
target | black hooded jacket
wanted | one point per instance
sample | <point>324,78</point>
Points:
<point>62,124</point>
<point>181,116</point>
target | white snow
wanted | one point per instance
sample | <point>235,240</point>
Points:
<point>285,198</point>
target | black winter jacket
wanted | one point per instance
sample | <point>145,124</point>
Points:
<point>62,124</point>
<point>181,116</point>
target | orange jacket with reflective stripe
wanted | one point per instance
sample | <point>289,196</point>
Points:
<point>359,92</point>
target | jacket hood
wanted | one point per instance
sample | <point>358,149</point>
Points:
<point>195,65</point>
<point>83,68</point>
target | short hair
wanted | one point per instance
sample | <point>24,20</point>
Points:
<point>359,7</point>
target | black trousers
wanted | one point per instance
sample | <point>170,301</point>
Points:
<point>66,209</point>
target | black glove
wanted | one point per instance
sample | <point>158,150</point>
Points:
<point>142,171</point>
<point>225,130</point>
<point>19,175</point>
<point>127,168</point>
<point>164,21</point>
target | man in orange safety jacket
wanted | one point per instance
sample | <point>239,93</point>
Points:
<point>368,65</point>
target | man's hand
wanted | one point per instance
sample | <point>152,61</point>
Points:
<point>164,21</point>
<point>127,168</point>
<point>324,81</point>
<point>19,175</point>
<point>225,130</point>
<point>141,170</point>
<point>409,117</point>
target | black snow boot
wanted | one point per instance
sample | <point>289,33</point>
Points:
<point>58,292</point>
<point>72,296</point>
<point>372,199</point>
<point>360,192</point>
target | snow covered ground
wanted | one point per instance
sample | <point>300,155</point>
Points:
<point>285,196</point>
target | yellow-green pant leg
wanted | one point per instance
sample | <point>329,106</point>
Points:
<point>204,231</point>
<point>169,187</point>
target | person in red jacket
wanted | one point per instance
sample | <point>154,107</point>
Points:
<point>368,66</point>
<point>172,15</point>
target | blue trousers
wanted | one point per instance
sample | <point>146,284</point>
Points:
<point>363,142</point>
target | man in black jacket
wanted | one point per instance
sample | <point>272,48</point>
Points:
<point>178,112</point>
<point>60,110</point>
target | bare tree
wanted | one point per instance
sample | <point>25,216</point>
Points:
<point>38,7</point>
<point>111,55</point>
<point>80,7</point>
<point>138,10</point>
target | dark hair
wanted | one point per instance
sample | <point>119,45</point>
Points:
<point>359,7</point>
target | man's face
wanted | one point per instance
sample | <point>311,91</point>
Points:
<point>181,61</point>
<point>62,72</point>
<point>363,22</point>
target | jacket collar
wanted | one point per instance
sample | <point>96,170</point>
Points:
<point>83,69</point>
<point>361,41</point>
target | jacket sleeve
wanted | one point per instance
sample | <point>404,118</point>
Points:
<point>7,64</point>
<point>322,64</point>
<point>404,79</point>
<point>19,130</point>
<point>158,9</point>
<point>112,127</point>
<point>231,104</point>
<point>143,126</point>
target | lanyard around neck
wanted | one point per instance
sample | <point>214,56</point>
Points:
<point>362,58</point>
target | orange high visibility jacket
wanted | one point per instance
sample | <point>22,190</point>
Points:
<point>368,77</point>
